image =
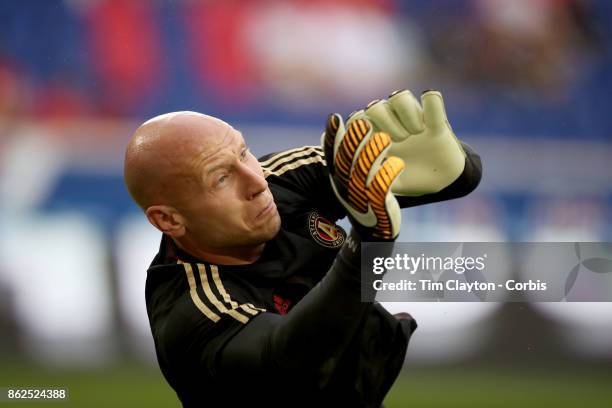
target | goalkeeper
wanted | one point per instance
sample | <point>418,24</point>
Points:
<point>254,296</point>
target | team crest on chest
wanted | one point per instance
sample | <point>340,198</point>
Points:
<point>325,232</point>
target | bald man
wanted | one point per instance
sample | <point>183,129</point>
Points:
<point>253,299</point>
<point>197,182</point>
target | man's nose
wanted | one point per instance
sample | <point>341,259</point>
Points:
<point>254,181</point>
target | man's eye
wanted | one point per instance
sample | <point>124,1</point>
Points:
<point>243,153</point>
<point>221,179</point>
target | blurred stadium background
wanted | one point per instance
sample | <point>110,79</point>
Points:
<point>526,82</point>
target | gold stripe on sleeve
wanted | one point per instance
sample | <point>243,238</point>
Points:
<point>294,165</point>
<point>194,294</point>
<point>282,157</point>
<point>256,308</point>
<point>297,155</point>
<point>249,308</point>
<point>211,296</point>
<point>214,271</point>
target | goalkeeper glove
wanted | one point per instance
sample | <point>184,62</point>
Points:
<point>421,137</point>
<point>361,175</point>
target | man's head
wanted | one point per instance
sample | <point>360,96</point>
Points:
<point>197,182</point>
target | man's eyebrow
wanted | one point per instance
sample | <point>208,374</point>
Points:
<point>216,167</point>
<point>221,165</point>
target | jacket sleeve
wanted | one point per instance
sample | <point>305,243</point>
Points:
<point>308,341</point>
<point>304,171</point>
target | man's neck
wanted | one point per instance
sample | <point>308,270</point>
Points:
<point>233,256</point>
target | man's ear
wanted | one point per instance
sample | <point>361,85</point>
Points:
<point>166,219</point>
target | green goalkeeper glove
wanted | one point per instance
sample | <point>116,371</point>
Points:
<point>361,174</point>
<point>421,137</point>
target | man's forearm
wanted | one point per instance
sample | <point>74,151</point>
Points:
<point>313,335</point>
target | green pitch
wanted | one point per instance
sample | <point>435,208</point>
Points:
<point>496,387</point>
<point>135,385</point>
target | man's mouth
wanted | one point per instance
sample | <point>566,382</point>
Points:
<point>267,210</point>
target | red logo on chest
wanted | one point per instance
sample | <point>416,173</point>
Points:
<point>281,305</point>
